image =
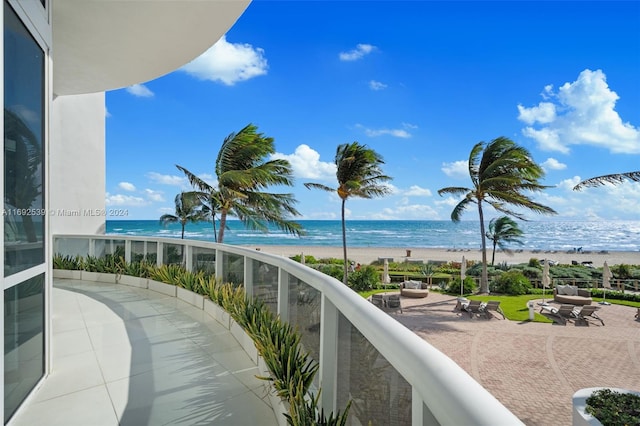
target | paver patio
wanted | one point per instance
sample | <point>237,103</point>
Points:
<point>532,368</point>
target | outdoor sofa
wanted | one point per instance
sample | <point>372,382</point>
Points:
<point>414,289</point>
<point>570,294</point>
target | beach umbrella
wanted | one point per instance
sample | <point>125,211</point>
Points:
<point>606,282</point>
<point>546,281</point>
<point>386,279</point>
<point>463,274</point>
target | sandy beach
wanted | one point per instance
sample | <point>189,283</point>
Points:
<point>366,255</point>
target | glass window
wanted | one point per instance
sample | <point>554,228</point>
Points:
<point>24,211</point>
<point>23,341</point>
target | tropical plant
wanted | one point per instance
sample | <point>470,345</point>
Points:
<point>503,230</point>
<point>359,174</point>
<point>243,175</point>
<point>188,209</point>
<point>501,172</point>
<point>614,408</point>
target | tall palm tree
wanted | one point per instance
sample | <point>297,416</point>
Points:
<point>188,209</point>
<point>503,230</point>
<point>500,172</point>
<point>359,174</point>
<point>243,174</point>
<point>614,179</point>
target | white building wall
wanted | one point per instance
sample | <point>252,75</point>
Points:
<point>77,165</point>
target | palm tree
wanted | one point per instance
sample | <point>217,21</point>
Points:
<point>243,174</point>
<point>359,175</point>
<point>613,179</point>
<point>503,230</point>
<point>500,172</point>
<point>188,209</point>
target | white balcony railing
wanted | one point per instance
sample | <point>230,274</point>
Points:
<point>393,376</point>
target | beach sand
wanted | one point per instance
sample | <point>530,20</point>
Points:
<point>366,255</point>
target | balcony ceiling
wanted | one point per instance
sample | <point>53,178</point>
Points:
<point>101,45</point>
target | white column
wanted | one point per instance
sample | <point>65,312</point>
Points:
<point>328,355</point>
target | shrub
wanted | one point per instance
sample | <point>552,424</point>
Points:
<point>614,408</point>
<point>468,287</point>
<point>367,278</point>
<point>534,263</point>
<point>512,282</point>
<point>335,271</point>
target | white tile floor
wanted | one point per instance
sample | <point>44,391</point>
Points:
<point>128,356</point>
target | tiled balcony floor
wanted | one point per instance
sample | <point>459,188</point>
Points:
<point>128,356</point>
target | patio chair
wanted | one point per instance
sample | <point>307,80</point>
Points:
<point>491,307</point>
<point>559,315</point>
<point>587,312</point>
<point>393,302</point>
<point>378,300</point>
<point>473,307</point>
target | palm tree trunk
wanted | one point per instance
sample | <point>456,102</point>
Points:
<point>215,231</point>
<point>493,256</point>
<point>344,245</point>
<point>223,225</point>
<point>484,280</point>
<point>182,237</point>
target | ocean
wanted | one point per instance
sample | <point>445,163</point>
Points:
<point>551,235</point>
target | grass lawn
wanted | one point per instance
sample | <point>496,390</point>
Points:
<point>515,307</point>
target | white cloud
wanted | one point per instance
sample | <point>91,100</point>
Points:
<point>417,191</point>
<point>553,164</point>
<point>582,113</point>
<point>409,211</point>
<point>154,195</point>
<point>398,133</point>
<point>166,210</point>
<point>545,112</point>
<point>228,63</point>
<point>306,163</point>
<point>140,90</point>
<point>359,52</point>
<point>124,200</point>
<point>457,169</point>
<point>167,179</point>
<point>449,201</point>
<point>377,85</point>
<point>568,184</point>
<point>127,186</point>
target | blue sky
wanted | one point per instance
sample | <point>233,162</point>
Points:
<point>420,82</point>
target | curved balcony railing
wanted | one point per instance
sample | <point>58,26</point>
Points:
<point>392,376</point>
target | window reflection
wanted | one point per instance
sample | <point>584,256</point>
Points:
<point>23,144</point>
<point>23,341</point>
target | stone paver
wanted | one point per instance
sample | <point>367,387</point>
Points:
<point>532,368</point>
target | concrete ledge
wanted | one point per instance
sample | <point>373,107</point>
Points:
<point>190,297</point>
<point>168,289</point>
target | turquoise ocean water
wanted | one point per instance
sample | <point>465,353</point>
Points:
<point>611,235</point>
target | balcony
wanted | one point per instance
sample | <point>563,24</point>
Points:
<point>391,374</point>
<point>130,356</point>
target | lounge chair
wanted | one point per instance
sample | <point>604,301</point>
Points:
<point>559,315</point>
<point>473,307</point>
<point>587,313</point>
<point>491,307</point>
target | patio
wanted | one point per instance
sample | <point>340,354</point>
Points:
<point>532,368</point>
<point>129,356</point>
